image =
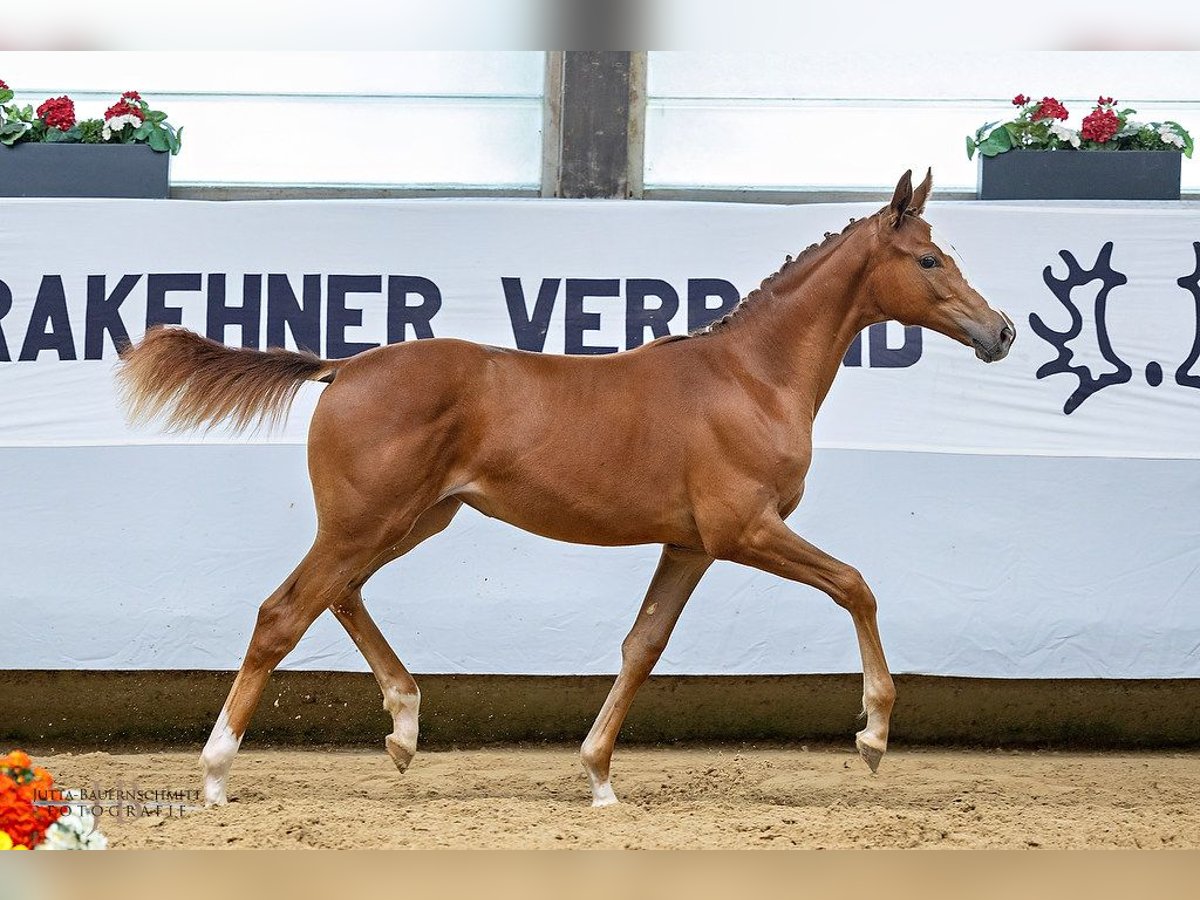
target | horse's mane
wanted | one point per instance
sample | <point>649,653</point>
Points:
<point>764,289</point>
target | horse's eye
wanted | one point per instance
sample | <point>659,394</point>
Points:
<point>928,262</point>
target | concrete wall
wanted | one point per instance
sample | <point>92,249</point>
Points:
<point>81,711</point>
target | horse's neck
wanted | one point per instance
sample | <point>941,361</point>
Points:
<point>799,336</point>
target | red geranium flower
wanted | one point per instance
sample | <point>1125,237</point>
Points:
<point>1020,100</point>
<point>1049,108</point>
<point>3,86</point>
<point>122,108</point>
<point>1100,125</point>
<point>131,95</point>
<point>1105,101</point>
<point>57,112</point>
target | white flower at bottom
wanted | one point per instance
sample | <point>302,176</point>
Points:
<point>119,123</point>
<point>1063,133</point>
<point>1170,136</point>
<point>74,831</point>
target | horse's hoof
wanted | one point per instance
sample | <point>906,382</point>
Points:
<point>214,795</point>
<point>214,790</point>
<point>400,754</point>
<point>603,795</point>
<point>871,755</point>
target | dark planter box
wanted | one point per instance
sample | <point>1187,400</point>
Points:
<point>1080,175</point>
<point>83,170</point>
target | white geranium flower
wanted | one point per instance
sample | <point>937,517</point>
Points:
<point>1063,133</point>
<point>119,123</point>
<point>1169,136</point>
<point>74,831</point>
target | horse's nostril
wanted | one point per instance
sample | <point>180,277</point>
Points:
<point>1008,331</point>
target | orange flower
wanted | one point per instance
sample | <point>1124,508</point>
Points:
<point>17,759</point>
<point>16,814</point>
<point>20,785</point>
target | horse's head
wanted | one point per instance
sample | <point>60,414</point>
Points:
<point>918,282</point>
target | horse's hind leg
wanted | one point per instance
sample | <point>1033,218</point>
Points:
<point>330,571</point>
<point>401,696</point>
<point>678,573</point>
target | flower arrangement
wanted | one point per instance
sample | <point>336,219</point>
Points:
<point>128,121</point>
<point>1040,126</point>
<point>26,824</point>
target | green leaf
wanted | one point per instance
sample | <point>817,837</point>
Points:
<point>158,140</point>
<point>6,94</point>
<point>999,141</point>
<point>11,132</point>
<point>970,147</point>
<point>982,129</point>
<point>143,131</point>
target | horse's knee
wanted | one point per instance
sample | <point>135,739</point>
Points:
<point>642,652</point>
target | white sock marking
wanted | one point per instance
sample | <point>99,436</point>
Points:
<point>405,710</point>
<point>217,758</point>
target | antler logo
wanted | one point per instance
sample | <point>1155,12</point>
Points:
<point>1191,283</point>
<point>1109,278</point>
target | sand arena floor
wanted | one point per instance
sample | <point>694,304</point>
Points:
<point>671,798</point>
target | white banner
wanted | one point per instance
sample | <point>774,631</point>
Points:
<point>1114,337</point>
<point>142,554</point>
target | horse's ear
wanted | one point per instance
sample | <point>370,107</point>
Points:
<point>902,198</point>
<point>921,194</point>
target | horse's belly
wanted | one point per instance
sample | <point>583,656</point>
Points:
<point>585,515</point>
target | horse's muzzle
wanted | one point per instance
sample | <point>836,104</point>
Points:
<point>998,348</point>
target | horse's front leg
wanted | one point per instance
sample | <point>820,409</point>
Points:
<point>773,547</point>
<point>678,573</point>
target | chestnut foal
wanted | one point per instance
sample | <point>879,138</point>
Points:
<point>701,443</point>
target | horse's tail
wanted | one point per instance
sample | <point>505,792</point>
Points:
<point>192,381</point>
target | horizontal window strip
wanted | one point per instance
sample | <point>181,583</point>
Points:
<point>445,74</point>
<point>829,145</point>
<point>945,74</point>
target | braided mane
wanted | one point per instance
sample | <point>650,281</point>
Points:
<point>765,288</point>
